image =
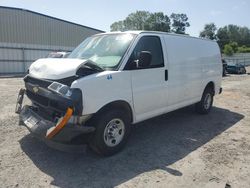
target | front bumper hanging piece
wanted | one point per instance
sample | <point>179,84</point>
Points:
<point>60,125</point>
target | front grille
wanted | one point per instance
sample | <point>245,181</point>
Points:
<point>38,98</point>
<point>42,97</point>
<point>45,83</point>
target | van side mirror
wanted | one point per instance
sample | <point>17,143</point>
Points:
<point>144,60</point>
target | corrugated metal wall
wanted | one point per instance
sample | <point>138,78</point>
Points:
<point>26,36</point>
<point>16,58</point>
<point>238,58</point>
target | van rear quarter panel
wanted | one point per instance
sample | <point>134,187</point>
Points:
<point>192,63</point>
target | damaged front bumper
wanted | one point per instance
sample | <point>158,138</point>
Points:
<point>62,131</point>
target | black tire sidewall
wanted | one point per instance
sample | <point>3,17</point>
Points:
<point>200,106</point>
<point>207,91</point>
<point>97,142</point>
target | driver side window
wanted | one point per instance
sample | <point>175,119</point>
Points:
<point>151,44</point>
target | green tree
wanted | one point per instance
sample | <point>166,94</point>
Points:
<point>233,33</point>
<point>234,46</point>
<point>179,23</point>
<point>158,22</point>
<point>228,50</point>
<point>243,49</point>
<point>209,31</point>
<point>222,37</point>
<point>137,20</point>
<point>117,26</point>
<point>244,38</point>
<point>143,20</point>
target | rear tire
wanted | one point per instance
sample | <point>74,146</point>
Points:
<point>112,132</point>
<point>205,105</point>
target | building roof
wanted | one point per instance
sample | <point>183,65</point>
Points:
<point>25,10</point>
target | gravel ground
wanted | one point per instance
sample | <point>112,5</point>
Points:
<point>179,149</point>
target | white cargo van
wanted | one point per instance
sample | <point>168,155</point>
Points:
<point>113,80</point>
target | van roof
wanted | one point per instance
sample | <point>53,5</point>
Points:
<point>137,32</point>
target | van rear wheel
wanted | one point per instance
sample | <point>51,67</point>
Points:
<point>205,105</point>
<point>112,131</point>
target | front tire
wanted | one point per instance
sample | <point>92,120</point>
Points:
<point>112,131</point>
<point>205,105</point>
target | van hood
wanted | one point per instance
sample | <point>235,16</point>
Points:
<point>54,69</point>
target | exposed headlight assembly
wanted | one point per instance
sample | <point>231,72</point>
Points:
<point>60,89</point>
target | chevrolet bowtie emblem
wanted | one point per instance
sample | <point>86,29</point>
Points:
<point>35,89</point>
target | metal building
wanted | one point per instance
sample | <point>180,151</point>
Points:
<point>26,36</point>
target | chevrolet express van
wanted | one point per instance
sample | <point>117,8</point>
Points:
<point>114,80</point>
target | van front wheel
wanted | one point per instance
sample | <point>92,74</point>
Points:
<point>112,131</point>
<point>205,105</point>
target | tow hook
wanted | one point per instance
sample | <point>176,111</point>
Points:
<point>19,101</point>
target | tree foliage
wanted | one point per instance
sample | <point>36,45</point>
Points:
<point>228,50</point>
<point>243,49</point>
<point>209,31</point>
<point>158,21</point>
<point>143,20</point>
<point>137,20</point>
<point>233,33</point>
<point>231,38</point>
<point>222,37</point>
<point>179,23</point>
<point>118,26</point>
<point>234,46</point>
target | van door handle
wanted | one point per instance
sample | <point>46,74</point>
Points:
<point>166,75</point>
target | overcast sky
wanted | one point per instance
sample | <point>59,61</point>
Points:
<point>101,14</point>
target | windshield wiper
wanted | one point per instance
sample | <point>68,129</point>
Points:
<point>92,65</point>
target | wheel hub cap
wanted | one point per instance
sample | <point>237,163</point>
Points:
<point>114,132</point>
<point>208,101</point>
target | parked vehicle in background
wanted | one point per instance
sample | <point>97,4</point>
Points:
<point>224,67</point>
<point>236,68</point>
<point>113,80</point>
<point>58,54</point>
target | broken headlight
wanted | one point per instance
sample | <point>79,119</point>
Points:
<point>60,89</point>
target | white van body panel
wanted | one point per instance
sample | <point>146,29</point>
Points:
<point>103,88</point>
<point>149,88</point>
<point>191,63</point>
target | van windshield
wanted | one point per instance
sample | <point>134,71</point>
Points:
<point>104,50</point>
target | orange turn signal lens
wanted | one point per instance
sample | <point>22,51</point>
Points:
<point>53,131</point>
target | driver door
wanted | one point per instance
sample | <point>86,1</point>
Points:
<point>148,84</point>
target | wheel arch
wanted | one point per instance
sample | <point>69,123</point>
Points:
<point>211,85</point>
<point>118,104</point>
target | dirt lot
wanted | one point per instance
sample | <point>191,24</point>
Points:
<point>180,149</point>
